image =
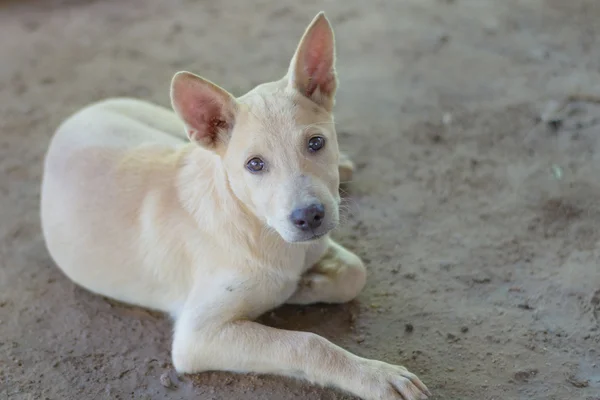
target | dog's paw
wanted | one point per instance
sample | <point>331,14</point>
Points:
<point>313,281</point>
<point>382,381</point>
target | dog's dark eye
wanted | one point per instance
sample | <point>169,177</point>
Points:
<point>255,165</point>
<point>316,143</point>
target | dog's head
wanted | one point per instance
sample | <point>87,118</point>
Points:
<point>277,143</point>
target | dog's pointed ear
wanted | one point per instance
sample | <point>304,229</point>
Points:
<point>312,70</point>
<point>207,110</point>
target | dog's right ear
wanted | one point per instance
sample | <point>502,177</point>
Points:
<point>207,110</point>
<point>312,70</point>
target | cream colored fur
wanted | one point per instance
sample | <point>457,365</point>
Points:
<point>157,209</point>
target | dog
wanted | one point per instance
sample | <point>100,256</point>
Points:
<point>216,213</point>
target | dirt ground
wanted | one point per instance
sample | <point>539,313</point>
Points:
<point>475,205</point>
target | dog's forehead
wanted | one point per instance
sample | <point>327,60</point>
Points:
<point>273,111</point>
<point>277,110</point>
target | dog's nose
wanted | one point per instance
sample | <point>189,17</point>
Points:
<point>309,217</point>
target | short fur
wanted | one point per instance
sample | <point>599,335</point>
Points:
<point>158,209</point>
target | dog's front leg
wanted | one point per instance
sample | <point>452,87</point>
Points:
<point>337,277</point>
<point>213,332</point>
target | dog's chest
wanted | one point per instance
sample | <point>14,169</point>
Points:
<point>283,271</point>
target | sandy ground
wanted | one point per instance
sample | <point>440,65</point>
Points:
<point>479,223</point>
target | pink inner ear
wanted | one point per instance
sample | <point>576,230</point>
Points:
<point>202,112</point>
<point>318,63</point>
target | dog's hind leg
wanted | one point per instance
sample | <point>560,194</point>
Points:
<point>346,167</point>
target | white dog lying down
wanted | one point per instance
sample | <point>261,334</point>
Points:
<point>220,228</point>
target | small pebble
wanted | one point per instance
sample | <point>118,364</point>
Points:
<point>464,329</point>
<point>551,109</point>
<point>352,318</point>
<point>165,380</point>
<point>525,375</point>
<point>551,114</point>
<point>409,328</point>
<point>447,119</point>
<point>525,306</point>
<point>557,172</point>
<point>578,383</point>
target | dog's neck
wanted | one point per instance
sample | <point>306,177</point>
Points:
<point>212,203</point>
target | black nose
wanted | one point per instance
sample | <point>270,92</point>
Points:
<point>309,217</point>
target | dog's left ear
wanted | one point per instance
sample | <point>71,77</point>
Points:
<point>207,110</point>
<point>312,70</point>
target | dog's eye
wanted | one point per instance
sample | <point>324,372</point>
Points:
<point>255,165</point>
<point>316,143</point>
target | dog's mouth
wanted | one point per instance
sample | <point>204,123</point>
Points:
<point>308,239</point>
<point>316,236</point>
<point>312,236</point>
